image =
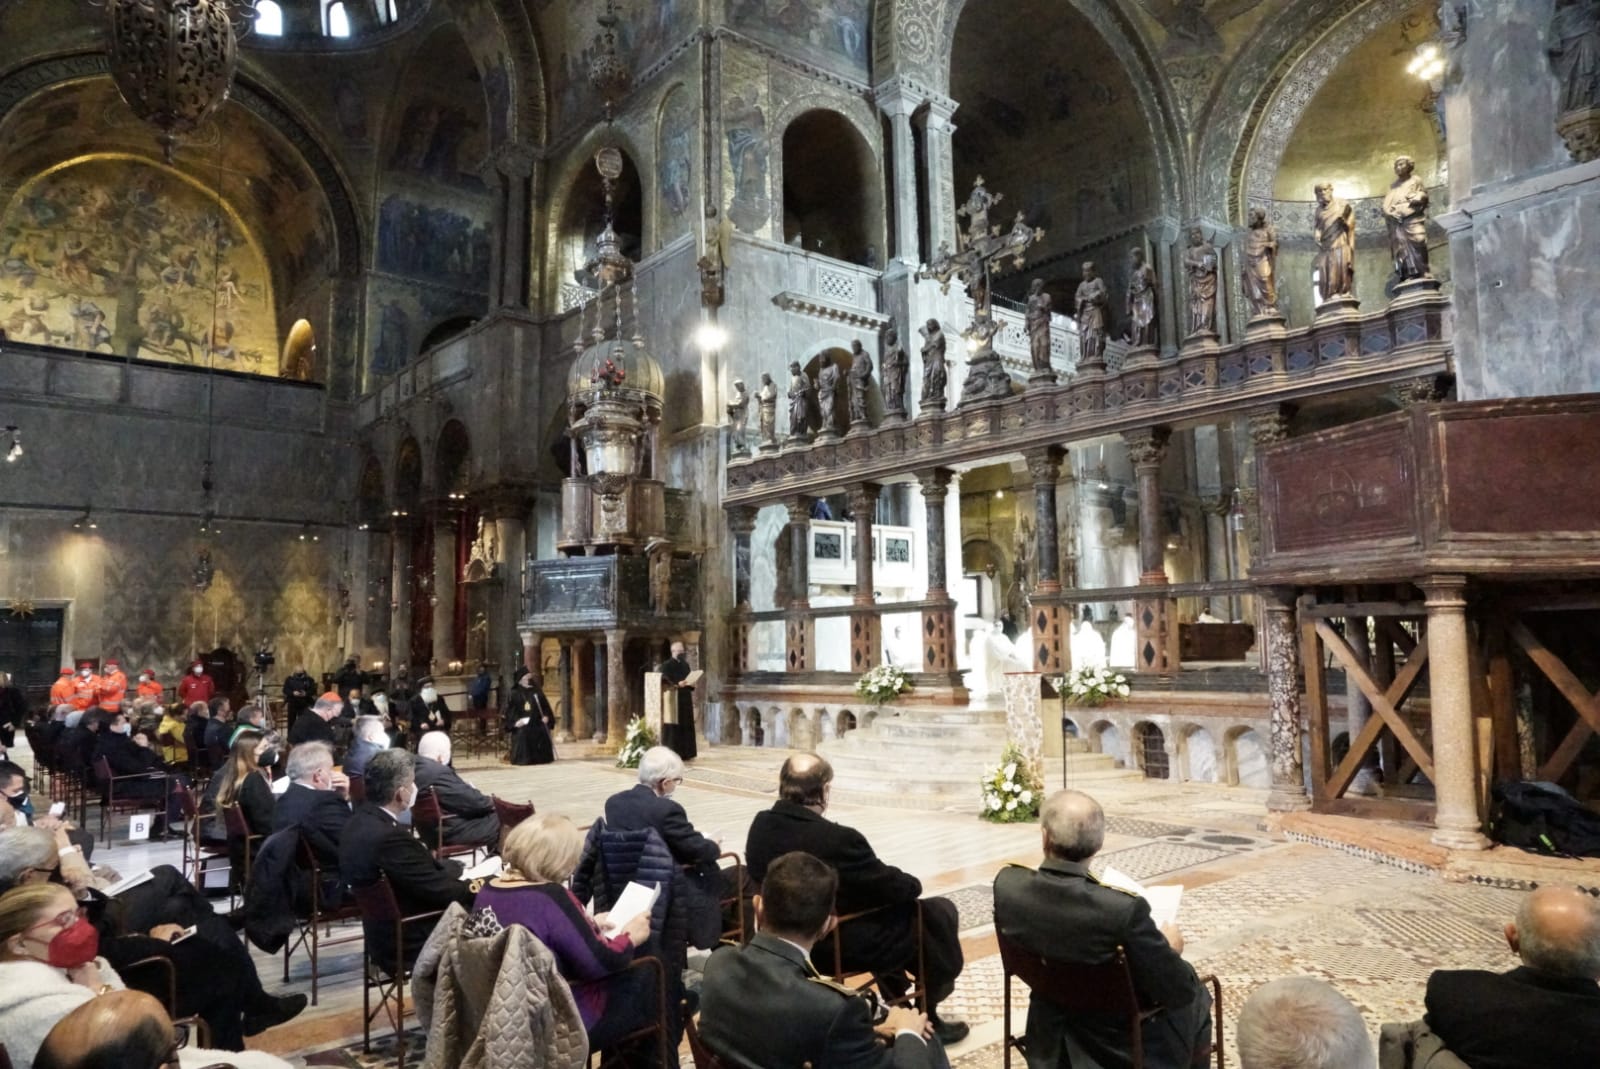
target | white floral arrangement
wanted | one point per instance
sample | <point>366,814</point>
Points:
<point>639,739</point>
<point>1091,686</point>
<point>1011,791</point>
<point>884,683</point>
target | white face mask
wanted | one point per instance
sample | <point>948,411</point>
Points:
<point>199,671</point>
<point>83,673</point>
<point>144,678</point>
<point>125,729</point>
<point>429,694</point>
<point>413,799</point>
<point>381,701</point>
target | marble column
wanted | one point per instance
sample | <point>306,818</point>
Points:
<point>898,100</point>
<point>1282,645</point>
<point>509,515</point>
<point>866,632</point>
<point>799,628</point>
<point>617,705</point>
<point>1052,652</point>
<point>1156,614</point>
<point>1457,824</point>
<point>741,523</point>
<point>941,187</point>
<point>602,708</point>
<point>508,174</point>
<point>400,599</point>
<point>938,616</point>
<point>445,650</point>
<point>568,721</point>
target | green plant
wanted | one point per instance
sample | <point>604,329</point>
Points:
<point>639,739</point>
<point>1091,686</point>
<point>884,683</point>
<point>1011,791</point>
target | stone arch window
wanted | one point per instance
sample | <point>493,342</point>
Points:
<point>300,351</point>
<point>1150,747</point>
<point>1202,760</point>
<point>269,18</point>
<point>1247,758</point>
<point>832,189</point>
<point>336,20</point>
<point>846,722</point>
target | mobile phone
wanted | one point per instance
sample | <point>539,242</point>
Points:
<point>58,808</point>
<point>187,932</point>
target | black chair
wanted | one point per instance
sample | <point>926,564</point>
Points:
<point>111,804</point>
<point>915,996</point>
<point>428,820</point>
<point>319,918</point>
<point>659,1026</point>
<point>201,852</point>
<point>165,991</point>
<point>511,814</point>
<point>379,908</point>
<point>242,842</point>
<point>704,1057</point>
<point>1104,989</point>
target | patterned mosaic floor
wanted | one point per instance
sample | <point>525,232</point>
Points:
<point>1256,907</point>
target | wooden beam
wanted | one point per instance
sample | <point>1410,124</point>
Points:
<point>1587,705</point>
<point>1397,635</point>
<point>1502,701</point>
<point>1383,703</point>
<point>1327,610</point>
<point>1316,707</point>
<point>1398,809</point>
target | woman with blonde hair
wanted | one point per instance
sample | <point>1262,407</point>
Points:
<point>49,965</point>
<point>540,855</point>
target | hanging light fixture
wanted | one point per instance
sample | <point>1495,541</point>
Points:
<point>609,72</point>
<point>14,453</point>
<point>173,60</point>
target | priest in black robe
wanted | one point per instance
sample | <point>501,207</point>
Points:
<point>529,721</point>
<point>679,737</point>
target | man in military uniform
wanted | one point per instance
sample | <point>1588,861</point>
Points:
<point>1063,912</point>
<point>807,1019</point>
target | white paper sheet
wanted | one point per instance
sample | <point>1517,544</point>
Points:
<point>636,899</point>
<point>487,869</point>
<point>1163,898</point>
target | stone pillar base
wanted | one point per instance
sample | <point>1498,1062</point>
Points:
<point>858,426</point>
<point>828,434</point>
<point>1288,800</point>
<point>770,447</point>
<point>1338,308</point>
<point>1141,354</point>
<point>1042,378</point>
<point>1413,290</point>
<point>1205,342</point>
<point>1580,129</point>
<point>1460,839</point>
<point>1266,327</point>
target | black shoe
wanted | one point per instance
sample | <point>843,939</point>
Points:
<point>950,1031</point>
<point>272,1012</point>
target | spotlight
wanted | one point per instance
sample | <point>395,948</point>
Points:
<point>1000,494</point>
<point>363,526</point>
<point>1428,63</point>
<point>14,454</point>
<point>85,522</point>
<point>708,336</point>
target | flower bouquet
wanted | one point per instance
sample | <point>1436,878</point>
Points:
<point>639,739</point>
<point>1011,791</point>
<point>1091,686</point>
<point>884,683</point>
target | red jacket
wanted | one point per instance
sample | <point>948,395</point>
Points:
<point>196,688</point>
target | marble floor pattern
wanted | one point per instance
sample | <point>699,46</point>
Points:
<point>1256,906</point>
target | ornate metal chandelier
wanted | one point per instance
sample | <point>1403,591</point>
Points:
<point>173,60</point>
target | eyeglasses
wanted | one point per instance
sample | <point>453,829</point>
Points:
<point>180,1040</point>
<point>60,920</point>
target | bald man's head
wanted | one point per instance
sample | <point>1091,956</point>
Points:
<point>1557,931</point>
<point>435,746</point>
<point>804,780</point>
<point>1074,826</point>
<point>118,1030</point>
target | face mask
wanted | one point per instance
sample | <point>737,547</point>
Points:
<point>381,702</point>
<point>429,694</point>
<point>18,801</point>
<point>144,679</point>
<point>413,799</point>
<point>268,757</point>
<point>76,944</point>
<point>199,671</point>
<point>125,729</point>
<point>83,674</point>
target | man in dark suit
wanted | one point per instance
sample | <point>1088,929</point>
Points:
<point>313,726</point>
<point>811,1020</point>
<point>1063,912</point>
<point>472,820</point>
<point>299,691</point>
<point>374,844</point>
<point>1545,1012</point>
<point>649,804</point>
<point>371,738</point>
<point>884,942</point>
<point>316,802</point>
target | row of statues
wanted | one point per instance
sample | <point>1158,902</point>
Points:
<point>812,401</point>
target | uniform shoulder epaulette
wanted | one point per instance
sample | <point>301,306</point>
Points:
<point>1111,887</point>
<point>1019,865</point>
<point>848,992</point>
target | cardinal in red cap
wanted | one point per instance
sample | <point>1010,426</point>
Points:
<point>61,690</point>
<point>196,686</point>
<point>148,687</point>
<point>113,687</point>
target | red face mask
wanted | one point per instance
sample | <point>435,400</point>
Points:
<point>76,944</point>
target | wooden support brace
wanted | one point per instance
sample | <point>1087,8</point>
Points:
<point>1384,703</point>
<point>1586,704</point>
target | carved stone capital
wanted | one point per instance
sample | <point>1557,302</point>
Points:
<point>935,483</point>
<point>863,499</point>
<point>1270,425</point>
<point>799,509</point>
<point>1148,447</point>
<point>1423,391</point>
<point>897,99</point>
<point>1044,465</point>
<point>515,159</point>
<point>742,519</point>
<point>1216,504</point>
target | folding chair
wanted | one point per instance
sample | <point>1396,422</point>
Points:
<point>658,1026</point>
<point>704,1057</point>
<point>358,789</point>
<point>511,814</point>
<point>321,916</point>
<point>1104,989</point>
<point>915,996</point>
<point>428,819</point>
<point>166,993</point>
<point>379,908</point>
<point>201,852</point>
<point>110,803</point>
<point>239,833</point>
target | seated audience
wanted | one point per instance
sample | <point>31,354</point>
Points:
<point>198,715</point>
<point>1302,1023</point>
<point>1063,912</point>
<point>357,704</point>
<point>314,727</point>
<point>20,810</point>
<point>375,845</point>
<point>242,781</point>
<point>427,711</point>
<point>131,1030</point>
<point>216,977</point>
<point>649,804</point>
<point>371,739</point>
<point>541,854</point>
<point>129,755</point>
<point>54,727</point>
<point>809,1020</point>
<point>317,802</point>
<point>170,736</point>
<point>218,728</point>
<point>77,743</point>
<point>470,814</point>
<point>1542,1014</point>
<point>884,942</point>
